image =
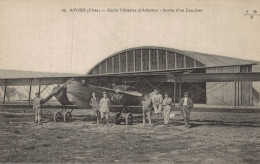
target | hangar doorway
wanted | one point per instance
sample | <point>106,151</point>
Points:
<point>197,91</point>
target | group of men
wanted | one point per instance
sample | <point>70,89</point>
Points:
<point>155,100</point>
<point>101,107</point>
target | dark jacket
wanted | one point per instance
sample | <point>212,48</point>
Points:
<point>189,103</point>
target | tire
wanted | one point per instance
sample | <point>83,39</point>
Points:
<point>117,118</point>
<point>129,119</point>
<point>57,117</point>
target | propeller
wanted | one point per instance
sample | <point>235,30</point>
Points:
<point>56,90</point>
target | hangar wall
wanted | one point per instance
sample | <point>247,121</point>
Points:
<point>229,93</point>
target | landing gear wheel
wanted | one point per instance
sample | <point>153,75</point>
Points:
<point>57,117</point>
<point>67,116</point>
<point>129,119</point>
<point>117,118</point>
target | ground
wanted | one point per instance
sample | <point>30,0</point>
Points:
<point>215,137</point>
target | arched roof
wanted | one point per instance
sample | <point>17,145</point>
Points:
<point>150,58</point>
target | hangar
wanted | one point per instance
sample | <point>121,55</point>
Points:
<point>150,60</point>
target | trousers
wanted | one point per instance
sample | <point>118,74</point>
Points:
<point>186,115</point>
<point>166,115</point>
<point>157,108</point>
<point>147,113</point>
<point>38,114</point>
<point>98,116</point>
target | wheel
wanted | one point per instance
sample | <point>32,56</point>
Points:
<point>57,117</point>
<point>67,116</point>
<point>117,118</point>
<point>129,119</point>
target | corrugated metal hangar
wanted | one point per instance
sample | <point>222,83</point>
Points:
<point>145,60</point>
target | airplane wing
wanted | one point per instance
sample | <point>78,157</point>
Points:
<point>191,77</point>
<point>217,77</point>
<point>103,89</point>
<point>17,78</point>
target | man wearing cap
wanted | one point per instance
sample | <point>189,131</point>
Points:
<point>157,102</point>
<point>167,106</point>
<point>146,107</point>
<point>104,105</point>
<point>37,107</point>
<point>186,105</point>
<point>94,103</point>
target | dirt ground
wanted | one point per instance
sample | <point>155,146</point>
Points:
<point>213,138</point>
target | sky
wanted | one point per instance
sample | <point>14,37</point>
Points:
<point>37,36</point>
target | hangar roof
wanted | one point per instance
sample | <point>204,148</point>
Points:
<point>151,58</point>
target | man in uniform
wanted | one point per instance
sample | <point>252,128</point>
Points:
<point>94,103</point>
<point>157,102</point>
<point>186,105</point>
<point>104,105</point>
<point>167,106</point>
<point>147,109</point>
<point>37,108</point>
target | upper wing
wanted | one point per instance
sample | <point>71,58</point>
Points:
<point>16,78</point>
<point>103,89</point>
<point>190,77</point>
<point>218,77</point>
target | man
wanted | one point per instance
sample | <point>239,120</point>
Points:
<point>37,108</point>
<point>146,107</point>
<point>104,105</point>
<point>94,103</point>
<point>186,105</point>
<point>167,106</point>
<point>157,102</point>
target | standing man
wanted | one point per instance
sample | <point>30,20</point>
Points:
<point>37,107</point>
<point>167,107</point>
<point>147,109</point>
<point>157,102</point>
<point>104,107</point>
<point>94,103</point>
<point>186,105</point>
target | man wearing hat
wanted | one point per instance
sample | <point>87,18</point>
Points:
<point>37,107</point>
<point>167,106</point>
<point>104,105</point>
<point>157,102</point>
<point>186,105</point>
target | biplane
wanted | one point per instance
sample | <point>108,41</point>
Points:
<point>132,73</point>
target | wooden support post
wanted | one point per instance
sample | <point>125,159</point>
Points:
<point>39,91</point>
<point>157,57</point>
<point>141,60</point>
<point>184,61</point>
<point>134,60</point>
<point>166,59</point>
<point>5,91</point>
<point>174,93</point>
<point>252,96</point>
<point>175,61</point>
<point>113,71</point>
<point>106,66</point>
<point>238,90</point>
<point>180,91</point>
<point>150,62</point>
<point>30,90</point>
<point>235,104</point>
<point>126,62</point>
<point>119,62</point>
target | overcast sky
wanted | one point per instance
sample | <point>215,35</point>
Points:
<point>36,35</point>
